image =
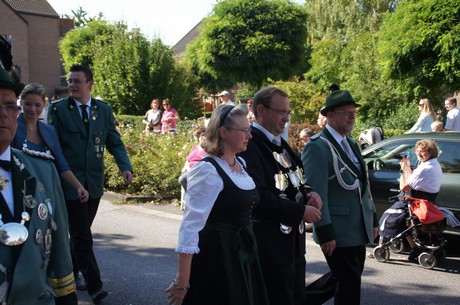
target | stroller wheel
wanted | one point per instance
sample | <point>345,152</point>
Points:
<point>381,253</point>
<point>427,260</point>
<point>397,246</point>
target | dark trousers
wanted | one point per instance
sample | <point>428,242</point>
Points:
<point>347,265</point>
<point>285,283</point>
<point>81,216</point>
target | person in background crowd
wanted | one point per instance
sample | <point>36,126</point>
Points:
<point>322,120</point>
<point>44,115</point>
<point>35,261</point>
<point>169,118</point>
<point>427,116</point>
<point>195,155</point>
<point>152,118</point>
<point>85,127</point>
<point>251,116</point>
<point>286,202</point>
<point>335,168</point>
<point>424,182</point>
<point>39,139</point>
<point>217,261</point>
<point>436,126</point>
<point>453,116</point>
<point>305,135</point>
<point>225,98</point>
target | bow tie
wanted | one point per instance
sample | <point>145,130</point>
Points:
<point>6,165</point>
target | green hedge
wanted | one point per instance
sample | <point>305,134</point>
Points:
<point>157,159</point>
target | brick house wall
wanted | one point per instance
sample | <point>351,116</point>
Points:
<point>13,24</point>
<point>34,27</point>
<point>44,59</point>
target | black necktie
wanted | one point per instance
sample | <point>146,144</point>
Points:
<point>84,117</point>
<point>6,165</point>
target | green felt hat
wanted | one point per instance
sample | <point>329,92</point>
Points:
<point>336,99</point>
<point>7,81</point>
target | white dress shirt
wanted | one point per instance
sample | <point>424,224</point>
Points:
<point>427,177</point>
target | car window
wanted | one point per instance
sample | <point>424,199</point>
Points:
<point>449,157</point>
<point>389,155</point>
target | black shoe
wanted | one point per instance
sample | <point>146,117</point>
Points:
<point>413,255</point>
<point>80,283</point>
<point>98,296</point>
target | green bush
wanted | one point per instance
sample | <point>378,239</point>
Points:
<point>157,159</point>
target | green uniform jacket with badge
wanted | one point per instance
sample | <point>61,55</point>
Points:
<point>85,152</point>
<point>348,215</point>
<point>40,268</point>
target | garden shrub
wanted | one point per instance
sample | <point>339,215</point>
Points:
<point>157,159</point>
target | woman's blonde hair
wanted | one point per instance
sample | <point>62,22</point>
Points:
<point>223,116</point>
<point>427,107</point>
<point>430,146</point>
<point>33,88</point>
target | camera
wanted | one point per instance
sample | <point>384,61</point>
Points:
<point>400,156</point>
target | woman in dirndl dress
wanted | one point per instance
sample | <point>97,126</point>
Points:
<point>217,260</point>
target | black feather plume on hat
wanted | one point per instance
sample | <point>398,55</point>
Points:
<point>6,59</point>
<point>9,79</point>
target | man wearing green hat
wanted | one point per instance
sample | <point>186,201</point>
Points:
<point>335,168</point>
<point>35,263</point>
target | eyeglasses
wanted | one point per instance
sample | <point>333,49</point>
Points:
<point>243,130</point>
<point>166,104</point>
<point>349,113</point>
<point>74,81</point>
<point>10,108</point>
<point>279,112</point>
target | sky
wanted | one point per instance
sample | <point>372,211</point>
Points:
<point>169,20</point>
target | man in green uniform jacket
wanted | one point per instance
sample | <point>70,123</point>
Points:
<point>335,168</point>
<point>85,127</point>
<point>35,262</point>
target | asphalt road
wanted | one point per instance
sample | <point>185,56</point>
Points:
<point>135,245</point>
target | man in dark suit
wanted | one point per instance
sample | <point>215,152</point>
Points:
<point>85,127</point>
<point>35,262</point>
<point>286,202</point>
<point>335,168</point>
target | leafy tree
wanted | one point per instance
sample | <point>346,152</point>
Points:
<point>129,71</point>
<point>345,51</point>
<point>79,45</point>
<point>121,70</point>
<point>420,47</point>
<point>80,17</point>
<point>251,41</point>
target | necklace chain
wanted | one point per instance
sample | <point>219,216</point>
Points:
<point>230,165</point>
<point>234,163</point>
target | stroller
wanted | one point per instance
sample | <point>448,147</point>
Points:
<point>416,217</point>
<point>370,136</point>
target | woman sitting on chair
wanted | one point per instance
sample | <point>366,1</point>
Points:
<point>424,182</point>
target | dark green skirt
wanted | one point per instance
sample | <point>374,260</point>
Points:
<point>227,269</point>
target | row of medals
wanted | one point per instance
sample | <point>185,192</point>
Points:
<point>296,178</point>
<point>13,233</point>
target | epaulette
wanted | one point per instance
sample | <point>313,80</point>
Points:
<point>315,136</point>
<point>99,99</point>
<point>58,101</point>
